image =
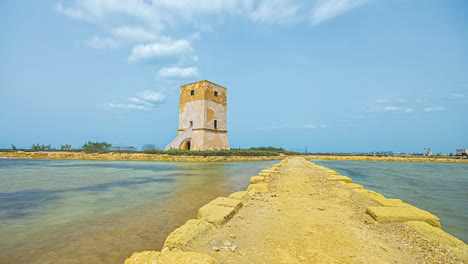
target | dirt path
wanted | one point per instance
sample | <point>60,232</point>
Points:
<point>306,219</point>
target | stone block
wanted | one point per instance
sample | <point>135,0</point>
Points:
<point>341,178</point>
<point>264,174</point>
<point>243,196</point>
<point>257,179</point>
<point>438,235</point>
<point>273,172</point>
<point>402,214</point>
<point>352,185</point>
<point>259,187</point>
<point>195,233</point>
<point>169,257</point>
<point>371,195</point>
<point>390,202</point>
<point>228,202</point>
<point>216,214</point>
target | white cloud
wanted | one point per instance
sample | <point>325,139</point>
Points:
<point>164,14</point>
<point>70,12</point>
<point>327,9</point>
<point>176,72</point>
<point>457,95</point>
<point>110,106</point>
<point>155,50</point>
<point>391,108</point>
<point>154,97</point>
<point>274,11</point>
<point>134,34</point>
<point>273,127</point>
<point>434,109</point>
<point>408,110</point>
<point>102,43</point>
<point>315,126</point>
<point>144,101</point>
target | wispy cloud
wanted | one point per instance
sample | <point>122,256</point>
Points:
<point>102,43</point>
<point>456,95</point>
<point>391,108</point>
<point>177,72</point>
<point>143,101</point>
<point>327,9</point>
<point>273,127</point>
<point>176,48</point>
<point>134,33</point>
<point>434,109</point>
<point>314,126</point>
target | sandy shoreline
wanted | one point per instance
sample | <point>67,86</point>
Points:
<point>298,212</point>
<point>132,157</point>
<point>151,157</point>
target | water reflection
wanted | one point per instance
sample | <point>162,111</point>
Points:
<point>102,212</point>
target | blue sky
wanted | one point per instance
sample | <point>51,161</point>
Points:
<point>332,75</point>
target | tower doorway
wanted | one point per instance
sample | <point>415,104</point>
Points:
<point>185,144</point>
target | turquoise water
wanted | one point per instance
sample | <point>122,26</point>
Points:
<point>67,211</point>
<point>440,188</point>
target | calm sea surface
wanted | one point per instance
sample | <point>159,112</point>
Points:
<point>440,188</point>
<point>66,211</point>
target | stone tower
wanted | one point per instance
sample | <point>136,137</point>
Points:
<point>202,117</point>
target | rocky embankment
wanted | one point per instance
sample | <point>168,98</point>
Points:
<point>298,212</point>
<point>375,158</point>
<point>134,157</point>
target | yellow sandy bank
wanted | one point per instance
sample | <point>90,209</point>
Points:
<point>134,157</point>
<point>373,158</point>
<point>298,212</point>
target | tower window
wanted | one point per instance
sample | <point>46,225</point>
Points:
<point>216,93</point>
<point>216,124</point>
<point>192,92</point>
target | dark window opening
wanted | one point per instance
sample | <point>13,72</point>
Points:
<point>216,124</point>
<point>191,123</point>
<point>192,92</point>
<point>216,93</point>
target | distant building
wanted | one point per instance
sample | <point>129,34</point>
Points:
<point>202,117</point>
<point>462,152</point>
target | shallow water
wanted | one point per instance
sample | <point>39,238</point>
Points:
<point>69,211</point>
<point>440,188</point>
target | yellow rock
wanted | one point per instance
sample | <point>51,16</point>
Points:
<point>438,235</point>
<point>352,185</point>
<point>243,196</point>
<point>264,174</point>
<point>195,233</point>
<point>369,194</point>
<point>402,214</point>
<point>216,214</point>
<point>169,257</point>
<point>341,178</point>
<point>259,187</point>
<point>257,179</point>
<point>228,202</point>
<point>391,202</point>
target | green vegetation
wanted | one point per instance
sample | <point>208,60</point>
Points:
<point>260,151</point>
<point>13,147</point>
<point>65,147</point>
<point>103,147</point>
<point>37,147</point>
<point>96,146</point>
